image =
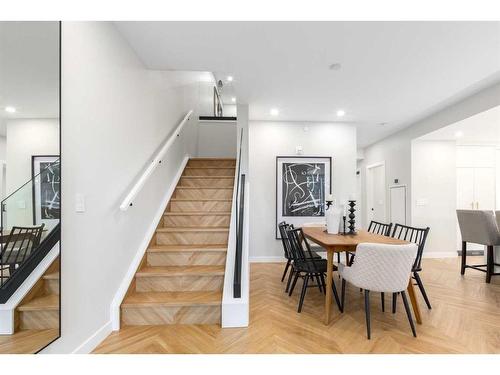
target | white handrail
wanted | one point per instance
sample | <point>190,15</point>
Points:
<point>127,202</point>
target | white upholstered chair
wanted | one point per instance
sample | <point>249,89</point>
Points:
<point>380,268</point>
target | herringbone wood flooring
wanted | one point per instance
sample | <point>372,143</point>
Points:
<point>465,319</point>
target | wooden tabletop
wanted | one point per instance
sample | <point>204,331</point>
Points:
<point>340,242</point>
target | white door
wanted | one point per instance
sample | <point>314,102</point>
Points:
<point>465,188</point>
<point>484,188</point>
<point>376,193</point>
<point>398,204</point>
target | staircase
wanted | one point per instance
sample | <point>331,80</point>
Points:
<point>39,309</point>
<point>182,273</point>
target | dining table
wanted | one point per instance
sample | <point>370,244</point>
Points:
<point>337,243</point>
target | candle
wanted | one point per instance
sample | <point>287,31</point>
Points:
<point>352,197</point>
<point>329,198</point>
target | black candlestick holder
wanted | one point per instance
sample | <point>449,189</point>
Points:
<point>343,218</point>
<point>352,217</point>
<point>328,204</point>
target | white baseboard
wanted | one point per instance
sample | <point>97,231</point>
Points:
<point>267,259</point>
<point>440,254</point>
<point>91,343</point>
<point>125,283</point>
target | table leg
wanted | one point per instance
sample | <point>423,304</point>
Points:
<point>414,303</point>
<point>329,281</point>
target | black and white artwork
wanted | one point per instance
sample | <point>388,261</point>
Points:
<point>46,190</point>
<point>302,184</point>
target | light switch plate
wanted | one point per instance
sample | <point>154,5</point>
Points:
<point>79,203</point>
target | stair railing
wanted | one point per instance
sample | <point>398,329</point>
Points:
<point>240,211</point>
<point>157,160</point>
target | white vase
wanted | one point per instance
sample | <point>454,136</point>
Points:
<point>333,216</point>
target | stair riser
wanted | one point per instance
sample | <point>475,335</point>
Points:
<point>207,182</point>
<point>187,258</point>
<point>191,238</point>
<point>159,315</point>
<point>211,163</point>
<point>209,172</point>
<point>204,193</point>
<point>179,283</point>
<point>197,221</point>
<point>200,206</point>
<point>52,286</point>
<point>40,319</point>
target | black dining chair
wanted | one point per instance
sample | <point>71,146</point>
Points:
<point>307,268</point>
<point>288,254</point>
<point>418,236</point>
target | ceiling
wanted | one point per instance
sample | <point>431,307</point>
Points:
<point>483,128</point>
<point>29,70</point>
<point>391,72</point>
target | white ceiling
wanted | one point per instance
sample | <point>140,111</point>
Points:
<point>483,128</point>
<point>29,70</point>
<point>392,72</point>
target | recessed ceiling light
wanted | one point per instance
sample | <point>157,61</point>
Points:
<point>230,78</point>
<point>274,112</point>
<point>382,123</point>
<point>459,134</point>
<point>10,109</point>
<point>340,113</point>
<point>335,66</point>
<point>233,99</point>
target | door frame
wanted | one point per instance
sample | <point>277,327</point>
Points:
<point>369,187</point>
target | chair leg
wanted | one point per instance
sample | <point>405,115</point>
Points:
<point>422,290</point>
<point>394,298</point>
<point>342,295</point>
<point>489,264</point>
<point>286,269</point>
<point>464,257</point>
<point>289,280</point>
<point>303,294</point>
<point>336,295</point>
<point>408,313</point>
<point>382,300</point>
<point>318,281</point>
<point>367,312</point>
<point>297,274</point>
<point>323,282</point>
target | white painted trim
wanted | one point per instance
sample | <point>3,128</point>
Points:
<point>440,254</point>
<point>7,309</point>
<point>267,259</point>
<point>91,343</point>
<point>125,283</point>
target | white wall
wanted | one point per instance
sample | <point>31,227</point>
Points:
<point>27,137</point>
<point>3,148</point>
<point>217,139</point>
<point>396,149</point>
<point>115,114</point>
<point>434,187</point>
<point>270,139</point>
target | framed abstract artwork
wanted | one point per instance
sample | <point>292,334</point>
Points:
<point>46,172</point>
<point>302,184</point>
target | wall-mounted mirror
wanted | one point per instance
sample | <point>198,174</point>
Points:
<point>30,186</point>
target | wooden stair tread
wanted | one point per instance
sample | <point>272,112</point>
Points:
<point>187,248</point>
<point>193,229</point>
<point>48,302</point>
<point>210,159</point>
<point>144,299</point>
<point>203,188</point>
<point>209,167</point>
<point>153,271</point>
<point>198,213</point>
<point>209,177</point>
<point>201,199</point>
<point>51,276</point>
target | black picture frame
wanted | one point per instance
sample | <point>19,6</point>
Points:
<point>327,159</point>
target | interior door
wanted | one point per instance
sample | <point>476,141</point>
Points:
<point>465,200</point>
<point>484,188</point>
<point>376,193</point>
<point>398,204</point>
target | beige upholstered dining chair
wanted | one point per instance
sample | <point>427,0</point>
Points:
<point>479,226</point>
<point>380,268</point>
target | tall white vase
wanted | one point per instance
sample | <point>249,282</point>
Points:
<point>333,218</point>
